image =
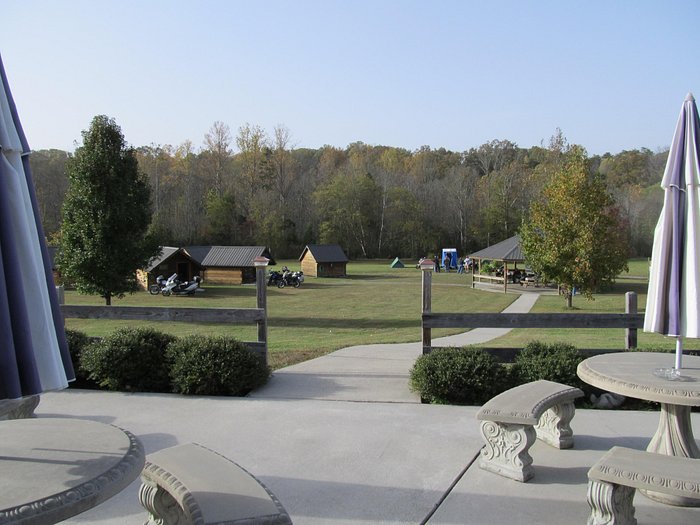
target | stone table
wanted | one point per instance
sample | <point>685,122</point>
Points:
<point>55,468</point>
<point>631,374</point>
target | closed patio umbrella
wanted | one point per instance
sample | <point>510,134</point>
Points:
<point>673,299</point>
<point>34,355</point>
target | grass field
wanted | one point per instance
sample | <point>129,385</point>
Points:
<point>634,280</point>
<point>375,304</point>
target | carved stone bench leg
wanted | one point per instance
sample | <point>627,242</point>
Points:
<point>506,450</point>
<point>162,508</point>
<point>554,426</point>
<point>610,504</point>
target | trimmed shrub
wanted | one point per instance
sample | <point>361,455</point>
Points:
<point>554,362</point>
<point>129,360</point>
<point>77,342</point>
<point>460,376</point>
<point>215,366</point>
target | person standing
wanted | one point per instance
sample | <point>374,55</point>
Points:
<point>460,265</point>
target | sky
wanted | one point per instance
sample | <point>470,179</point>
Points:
<point>612,75</point>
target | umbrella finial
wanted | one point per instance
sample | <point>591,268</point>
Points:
<point>689,97</point>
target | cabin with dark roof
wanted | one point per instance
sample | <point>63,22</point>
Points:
<point>170,260</point>
<point>214,264</point>
<point>229,264</point>
<point>324,260</point>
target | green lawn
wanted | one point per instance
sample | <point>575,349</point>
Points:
<point>375,304</point>
<point>635,280</point>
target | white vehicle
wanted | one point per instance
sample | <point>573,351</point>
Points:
<point>173,286</point>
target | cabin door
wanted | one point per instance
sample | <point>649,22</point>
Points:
<point>183,271</point>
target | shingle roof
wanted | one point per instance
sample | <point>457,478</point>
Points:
<point>227,256</point>
<point>166,253</point>
<point>198,253</point>
<point>508,250</point>
<point>325,253</point>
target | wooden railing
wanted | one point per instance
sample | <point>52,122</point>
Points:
<point>631,320</point>
<point>189,315</point>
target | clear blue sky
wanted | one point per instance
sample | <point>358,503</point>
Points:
<point>453,73</point>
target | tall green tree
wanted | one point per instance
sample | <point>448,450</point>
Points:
<point>106,214</point>
<point>575,236</point>
<point>347,208</point>
<point>225,223</point>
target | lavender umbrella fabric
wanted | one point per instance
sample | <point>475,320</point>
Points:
<point>34,355</point>
<point>673,300</point>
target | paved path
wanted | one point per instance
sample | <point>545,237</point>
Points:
<point>370,373</point>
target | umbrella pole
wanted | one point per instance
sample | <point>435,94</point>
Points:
<point>679,352</point>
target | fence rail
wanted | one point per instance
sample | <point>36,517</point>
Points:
<point>631,320</point>
<point>147,313</point>
<point>188,315</point>
<point>543,320</point>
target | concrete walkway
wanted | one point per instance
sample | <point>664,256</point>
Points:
<point>370,373</point>
<point>341,440</point>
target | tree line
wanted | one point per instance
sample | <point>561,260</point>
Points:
<point>257,188</point>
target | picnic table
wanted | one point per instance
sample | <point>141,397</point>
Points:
<point>637,375</point>
<point>60,467</point>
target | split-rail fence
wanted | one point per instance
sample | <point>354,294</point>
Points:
<point>631,320</point>
<point>190,315</point>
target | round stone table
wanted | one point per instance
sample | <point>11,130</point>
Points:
<point>54,468</point>
<point>631,374</point>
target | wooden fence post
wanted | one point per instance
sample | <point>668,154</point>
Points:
<point>426,267</point>
<point>630,308</point>
<point>260,264</point>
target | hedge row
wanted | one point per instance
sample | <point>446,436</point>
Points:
<point>145,360</point>
<point>471,376</point>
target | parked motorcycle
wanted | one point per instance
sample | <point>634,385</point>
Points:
<point>160,283</point>
<point>175,287</point>
<point>274,278</point>
<point>290,278</point>
<point>280,278</point>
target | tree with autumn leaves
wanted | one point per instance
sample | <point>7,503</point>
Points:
<point>575,235</point>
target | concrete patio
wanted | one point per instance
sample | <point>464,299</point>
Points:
<point>341,440</point>
<point>342,462</point>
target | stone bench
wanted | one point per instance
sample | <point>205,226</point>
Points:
<point>614,478</point>
<point>190,484</point>
<point>511,421</point>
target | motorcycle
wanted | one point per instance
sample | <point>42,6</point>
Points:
<point>274,278</point>
<point>160,283</point>
<point>291,279</point>
<point>175,287</point>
